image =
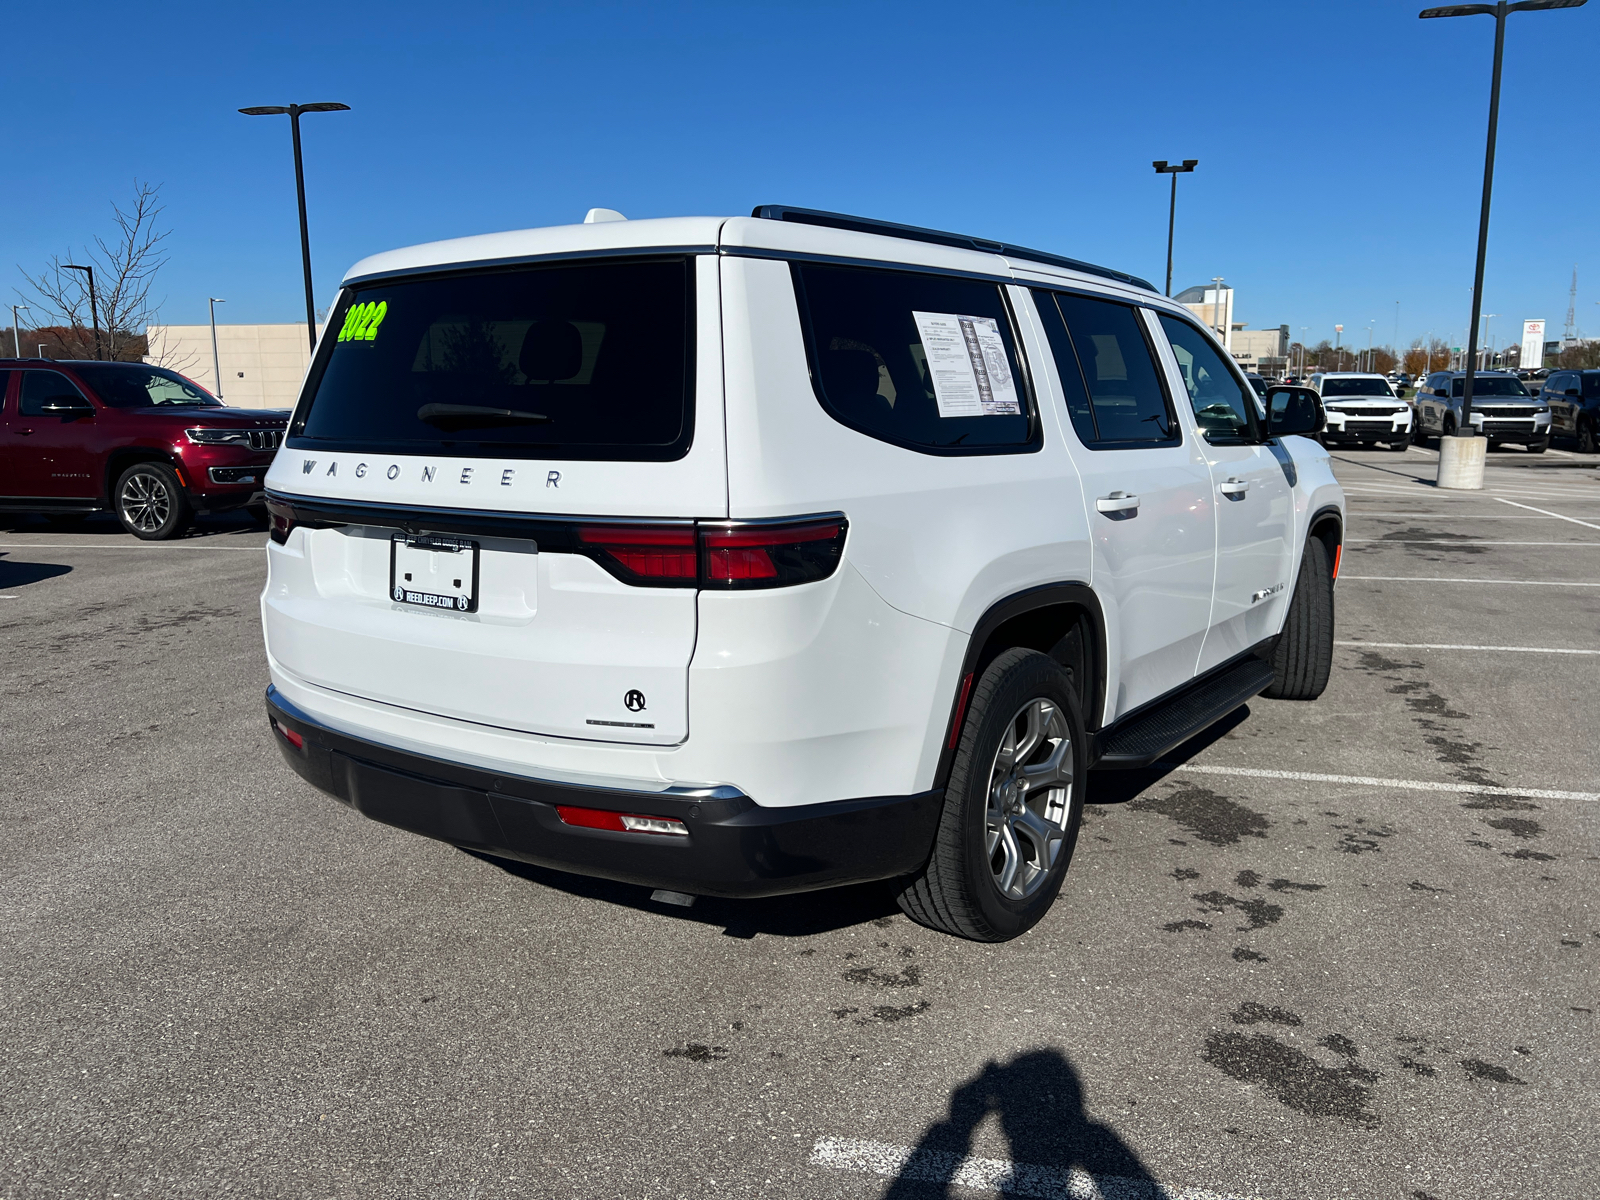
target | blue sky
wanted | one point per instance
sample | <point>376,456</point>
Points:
<point>1340,144</point>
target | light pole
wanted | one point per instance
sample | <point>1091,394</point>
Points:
<point>1216,306</point>
<point>294,111</point>
<point>1499,11</point>
<point>94,308</point>
<point>216,359</point>
<point>1368,367</point>
<point>1174,169</point>
<point>1397,329</point>
<point>1304,329</point>
<point>1338,352</point>
<point>1488,357</point>
<point>16,337</point>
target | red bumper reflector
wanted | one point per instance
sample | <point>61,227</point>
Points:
<point>289,735</point>
<point>599,818</point>
<point>961,711</point>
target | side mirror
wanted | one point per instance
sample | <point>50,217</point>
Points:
<point>1441,392</point>
<point>65,406</point>
<point>1293,410</point>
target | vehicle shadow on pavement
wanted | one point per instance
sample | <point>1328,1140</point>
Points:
<point>21,574</point>
<point>804,914</point>
<point>1119,787</point>
<point>1037,1098</point>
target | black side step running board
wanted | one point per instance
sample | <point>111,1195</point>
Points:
<point>1140,740</point>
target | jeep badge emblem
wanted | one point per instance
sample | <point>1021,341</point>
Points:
<point>634,700</point>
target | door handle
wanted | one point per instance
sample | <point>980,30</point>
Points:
<point>1118,502</point>
<point>1234,487</point>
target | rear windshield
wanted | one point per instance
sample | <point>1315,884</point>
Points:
<point>586,361</point>
<point>1489,385</point>
<point>1355,387</point>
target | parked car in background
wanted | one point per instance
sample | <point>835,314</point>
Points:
<point>153,447</point>
<point>1362,410</point>
<point>1574,400</point>
<point>1502,409</point>
<point>757,555</point>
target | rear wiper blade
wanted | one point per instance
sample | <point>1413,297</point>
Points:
<point>476,416</point>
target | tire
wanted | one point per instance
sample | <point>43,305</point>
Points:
<point>151,503</point>
<point>1303,657</point>
<point>1449,427</point>
<point>1587,442</point>
<point>1539,447</point>
<point>1400,447</point>
<point>999,857</point>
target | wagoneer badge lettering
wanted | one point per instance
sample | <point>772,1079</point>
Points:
<point>1256,597</point>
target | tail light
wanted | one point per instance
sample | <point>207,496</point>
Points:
<point>718,557</point>
<point>765,556</point>
<point>280,522</point>
<point>657,555</point>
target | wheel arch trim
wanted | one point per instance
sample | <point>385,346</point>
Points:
<point>1066,595</point>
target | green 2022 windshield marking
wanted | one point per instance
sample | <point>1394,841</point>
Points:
<point>362,321</point>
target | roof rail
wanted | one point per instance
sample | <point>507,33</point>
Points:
<point>915,233</point>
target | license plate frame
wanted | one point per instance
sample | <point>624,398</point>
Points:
<point>409,553</point>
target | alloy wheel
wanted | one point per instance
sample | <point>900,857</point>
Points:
<point>145,502</point>
<point>1030,799</point>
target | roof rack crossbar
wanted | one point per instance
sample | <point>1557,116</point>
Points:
<point>915,233</point>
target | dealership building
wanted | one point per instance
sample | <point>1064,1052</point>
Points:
<point>262,365</point>
<point>1265,351</point>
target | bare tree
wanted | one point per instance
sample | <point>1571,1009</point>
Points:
<point>125,270</point>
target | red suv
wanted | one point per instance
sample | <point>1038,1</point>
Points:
<point>143,441</point>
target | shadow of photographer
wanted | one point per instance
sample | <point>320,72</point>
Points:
<point>1038,1100</point>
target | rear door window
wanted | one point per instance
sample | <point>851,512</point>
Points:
<point>589,360</point>
<point>923,361</point>
<point>1113,390</point>
<point>40,387</point>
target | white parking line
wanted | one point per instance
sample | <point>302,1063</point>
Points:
<point>1453,646</point>
<point>1409,785</point>
<point>1434,579</point>
<point>1543,513</point>
<point>991,1174</point>
<point>1455,542</point>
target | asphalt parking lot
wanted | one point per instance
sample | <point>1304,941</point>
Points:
<point>1338,949</point>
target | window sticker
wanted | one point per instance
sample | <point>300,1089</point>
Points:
<point>967,363</point>
<point>362,321</point>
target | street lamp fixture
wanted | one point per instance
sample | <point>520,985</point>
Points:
<point>16,336</point>
<point>1499,11</point>
<point>293,112</point>
<point>94,308</point>
<point>1174,169</point>
<point>216,359</point>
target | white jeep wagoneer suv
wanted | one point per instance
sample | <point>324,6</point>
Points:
<point>757,555</point>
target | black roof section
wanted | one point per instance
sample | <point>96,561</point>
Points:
<point>915,233</point>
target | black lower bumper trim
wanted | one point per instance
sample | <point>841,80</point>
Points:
<point>735,847</point>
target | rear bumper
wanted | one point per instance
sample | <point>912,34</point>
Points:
<point>734,847</point>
